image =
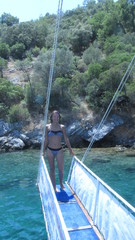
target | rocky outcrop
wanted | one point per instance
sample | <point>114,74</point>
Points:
<point>11,143</point>
<point>116,131</point>
<point>12,137</point>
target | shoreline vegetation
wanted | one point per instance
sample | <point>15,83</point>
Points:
<point>96,44</point>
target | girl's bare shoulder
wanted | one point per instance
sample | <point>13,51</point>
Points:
<point>62,126</point>
<point>48,126</point>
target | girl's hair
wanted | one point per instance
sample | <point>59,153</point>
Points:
<point>53,113</point>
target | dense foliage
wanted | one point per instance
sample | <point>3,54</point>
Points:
<point>95,46</point>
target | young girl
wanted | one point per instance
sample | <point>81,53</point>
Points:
<point>53,136</point>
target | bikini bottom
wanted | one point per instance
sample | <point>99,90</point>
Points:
<point>54,151</point>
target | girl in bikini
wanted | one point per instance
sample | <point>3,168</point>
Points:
<point>53,136</point>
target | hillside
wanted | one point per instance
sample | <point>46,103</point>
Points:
<point>125,132</point>
<point>96,44</point>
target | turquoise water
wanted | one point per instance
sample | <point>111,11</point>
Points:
<point>20,207</point>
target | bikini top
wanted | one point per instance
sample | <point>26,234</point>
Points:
<point>55,133</point>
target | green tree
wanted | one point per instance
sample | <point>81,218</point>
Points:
<point>130,90</point>
<point>3,65</point>
<point>92,54</point>
<point>27,34</point>
<point>126,14</point>
<point>18,113</point>
<point>81,37</point>
<point>94,70</point>
<point>63,63</point>
<point>9,95</point>
<point>96,22</point>
<point>109,25</point>
<point>30,96</point>
<point>49,40</point>
<point>3,110</point>
<point>78,84</point>
<point>8,19</point>
<point>110,43</point>
<point>41,30</point>
<point>61,93</point>
<point>93,95</point>
<point>4,50</point>
<point>35,51</point>
<point>17,50</point>
<point>9,35</point>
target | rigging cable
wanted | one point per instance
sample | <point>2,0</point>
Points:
<point>113,101</point>
<point>59,13</point>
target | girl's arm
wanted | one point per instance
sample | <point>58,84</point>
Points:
<point>67,140</point>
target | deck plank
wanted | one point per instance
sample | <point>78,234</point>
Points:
<point>78,222</point>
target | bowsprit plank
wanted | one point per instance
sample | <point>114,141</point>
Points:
<point>77,220</point>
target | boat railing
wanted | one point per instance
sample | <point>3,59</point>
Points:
<point>55,225</point>
<point>114,216</point>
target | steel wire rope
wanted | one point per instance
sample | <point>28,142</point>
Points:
<point>113,101</point>
<point>59,13</point>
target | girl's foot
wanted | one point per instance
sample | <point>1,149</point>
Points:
<point>62,186</point>
<point>56,190</point>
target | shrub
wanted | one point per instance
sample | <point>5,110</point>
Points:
<point>18,113</point>
<point>17,50</point>
<point>4,50</point>
<point>9,93</point>
<point>36,51</point>
<point>3,110</point>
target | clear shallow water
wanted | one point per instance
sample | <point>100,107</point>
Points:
<point>20,207</point>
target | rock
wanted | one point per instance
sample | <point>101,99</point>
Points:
<point>4,128</point>
<point>10,143</point>
<point>120,148</point>
<point>133,147</point>
<point>3,141</point>
<point>117,130</point>
<point>82,133</point>
<point>17,144</point>
<point>10,128</point>
<point>35,143</point>
<point>24,138</point>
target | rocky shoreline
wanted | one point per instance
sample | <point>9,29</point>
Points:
<point>116,132</point>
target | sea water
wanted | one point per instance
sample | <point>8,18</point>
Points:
<point>20,206</point>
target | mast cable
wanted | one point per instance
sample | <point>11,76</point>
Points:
<point>59,13</point>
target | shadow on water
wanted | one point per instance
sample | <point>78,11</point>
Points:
<point>96,160</point>
<point>130,169</point>
<point>22,183</point>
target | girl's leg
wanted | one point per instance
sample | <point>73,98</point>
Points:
<point>50,158</point>
<point>60,163</point>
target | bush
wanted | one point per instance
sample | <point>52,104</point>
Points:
<point>9,93</point>
<point>3,110</point>
<point>4,50</point>
<point>17,50</point>
<point>36,51</point>
<point>131,91</point>
<point>18,113</point>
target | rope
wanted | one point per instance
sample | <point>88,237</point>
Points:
<point>113,101</point>
<point>59,13</point>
